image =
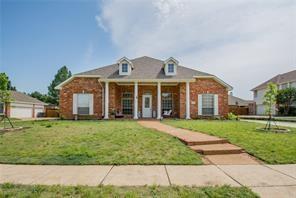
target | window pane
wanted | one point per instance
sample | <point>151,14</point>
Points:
<point>1,108</point>
<point>171,68</point>
<point>83,110</point>
<point>83,100</point>
<point>147,102</point>
<point>124,67</point>
<point>167,101</point>
<point>208,104</point>
<point>127,103</point>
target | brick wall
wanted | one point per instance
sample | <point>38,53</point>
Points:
<point>80,85</point>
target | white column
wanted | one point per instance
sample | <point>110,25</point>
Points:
<point>136,100</point>
<point>106,100</point>
<point>158,100</point>
<point>187,101</point>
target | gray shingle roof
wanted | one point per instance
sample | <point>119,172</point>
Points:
<point>21,97</point>
<point>278,79</point>
<point>145,68</point>
<point>232,100</point>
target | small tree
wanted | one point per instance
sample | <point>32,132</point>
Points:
<point>4,95</point>
<point>286,97</point>
<point>63,74</point>
<point>270,102</point>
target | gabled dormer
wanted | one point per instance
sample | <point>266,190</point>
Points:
<point>125,66</point>
<point>170,66</point>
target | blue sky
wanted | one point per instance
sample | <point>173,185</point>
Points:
<point>244,42</point>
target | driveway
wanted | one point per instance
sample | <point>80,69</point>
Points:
<point>279,123</point>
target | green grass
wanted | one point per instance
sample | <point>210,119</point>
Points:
<point>10,190</point>
<point>273,148</point>
<point>92,142</point>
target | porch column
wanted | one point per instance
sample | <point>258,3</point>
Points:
<point>136,100</point>
<point>187,101</point>
<point>158,100</point>
<point>106,116</point>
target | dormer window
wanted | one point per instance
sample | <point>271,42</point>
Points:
<point>125,66</point>
<point>170,67</point>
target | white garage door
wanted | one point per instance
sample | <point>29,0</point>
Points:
<point>21,112</point>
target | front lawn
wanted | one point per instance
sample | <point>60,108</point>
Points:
<point>92,142</point>
<point>10,190</point>
<point>273,148</point>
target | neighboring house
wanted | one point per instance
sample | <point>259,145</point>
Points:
<point>282,81</point>
<point>143,88</point>
<point>239,106</point>
<point>22,106</point>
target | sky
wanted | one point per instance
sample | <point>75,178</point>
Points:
<point>243,42</point>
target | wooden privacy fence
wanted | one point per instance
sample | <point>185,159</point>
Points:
<point>237,110</point>
<point>52,113</point>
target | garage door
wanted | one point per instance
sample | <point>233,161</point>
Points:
<point>38,110</point>
<point>21,112</point>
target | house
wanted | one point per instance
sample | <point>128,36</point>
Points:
<point>281,80</point>
<point>239,106</point>
<point>22,106</point>
<point>143,87</point>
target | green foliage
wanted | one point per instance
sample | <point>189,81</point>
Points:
<point>42,97</point>
<point>285,98</point>
<point>4,93</point>
<point>10,87</point>
<point>270,98</point>
<point>63,74</point>
<point>232,116</point>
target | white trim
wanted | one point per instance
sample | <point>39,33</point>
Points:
<point>187,100</point>
<point>74,101</point>
<point>158,100</point>
<point>229,87</point>
<point>136,100</point>
<point>58,87</point>
<point>146,84</point>
<point>106,116</point>
<point>146,80</point>
<point>91,103</point>
<point>125,59</point>
<point>143,105</point>
<point>216,104</point>
<point>199,104</point>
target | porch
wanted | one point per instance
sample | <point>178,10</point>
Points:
<point>145,100</point>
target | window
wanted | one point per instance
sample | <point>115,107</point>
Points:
<point>127,103</point>
<point>1,108</point>
<point>124,67</point>
<point>284,86</point>
<point>255,94</point>
<point>167,102</point>
<point>207,104</point>
<point>171,68</point>
<point>83,104</point>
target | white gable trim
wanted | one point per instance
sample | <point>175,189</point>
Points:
<point>75,76</point>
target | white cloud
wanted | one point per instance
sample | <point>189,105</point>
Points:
<point>242,41</point>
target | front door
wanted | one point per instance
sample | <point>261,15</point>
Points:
<point>147,106</point>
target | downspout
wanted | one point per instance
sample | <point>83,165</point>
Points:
<point>103,98</point>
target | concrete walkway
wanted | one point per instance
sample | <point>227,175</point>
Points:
<point>268,181</point>
<point>279,123</point>
<point>215,150</point>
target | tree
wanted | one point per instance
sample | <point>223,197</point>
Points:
<point>39,96</point>
<point>10,87</point>
<point>286,97</point>
<point>270,102</point>
<point>63,74</point>
<point>4,95</point>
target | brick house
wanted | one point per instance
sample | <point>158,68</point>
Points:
<point>143,88</point>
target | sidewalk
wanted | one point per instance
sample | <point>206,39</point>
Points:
<point>266,180</point>
<point>279,123</point>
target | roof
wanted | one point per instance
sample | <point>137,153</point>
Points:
<point>278,79</point>
<point>232,100</point>
<point>24,98</point>
<point>145,68</point>
<point>141,70</point>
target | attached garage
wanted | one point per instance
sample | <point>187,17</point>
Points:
<point>24,106</point>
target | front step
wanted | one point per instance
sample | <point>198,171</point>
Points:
<point>205,142</point>
<point>217,149</point>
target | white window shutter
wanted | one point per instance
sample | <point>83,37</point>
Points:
<point>216,104</point>
<point>75,103</point>
<point>199,103</point>
<point>91,104</point>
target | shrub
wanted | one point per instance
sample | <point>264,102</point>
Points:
<point>232,116</point>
